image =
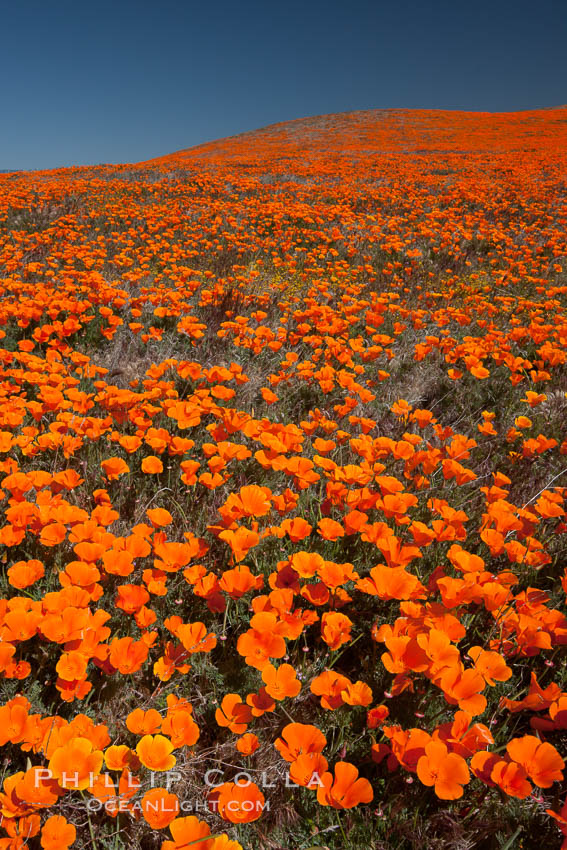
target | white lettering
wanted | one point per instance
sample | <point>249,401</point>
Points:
<point>208,782</point>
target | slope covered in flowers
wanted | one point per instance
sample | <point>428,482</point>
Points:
<point>283,481</point>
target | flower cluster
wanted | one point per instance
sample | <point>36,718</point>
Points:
<point>281,453</point>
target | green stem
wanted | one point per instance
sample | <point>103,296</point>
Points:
<point>286,712</point>
<point>225,618</point>
<point>348,646</point>
<point>91,830</point>
<point>342,828</point>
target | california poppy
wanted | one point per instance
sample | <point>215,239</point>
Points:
<point>74,764</point>
<point>345,789</point>
<point>446,771</point>
<point>159,807</point>
<point>57,833</point>
<point>155,752</point>
<point>233,714</point>
<point>541,761</point>
<point>281,682</point>
<point>299,738</point>
<point>238,802</point>
<point>187,831</point>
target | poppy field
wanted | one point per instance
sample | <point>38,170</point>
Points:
<point>283,491</point>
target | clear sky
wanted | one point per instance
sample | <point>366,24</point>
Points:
<point>127,80</point>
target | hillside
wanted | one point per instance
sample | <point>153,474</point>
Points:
<point>283,483</point>
<point>374,132</point>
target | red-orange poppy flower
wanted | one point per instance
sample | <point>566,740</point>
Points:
<point>127,654</point>
<point>240,580</point>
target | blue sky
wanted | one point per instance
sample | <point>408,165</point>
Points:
<point>128,80</point>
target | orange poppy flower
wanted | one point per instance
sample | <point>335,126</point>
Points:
<point>159,517</point>
<point>260,702</point>
<point>114,467</point>
<point>178,724</point>
<point>299,738</point>
<point>57,833</point>
<point>355,521</point>
<point>357,694</point>
<point>21,829</point>
<point>37,789</point>
<point>159,807</point>
<point>131,597</point>
<point>511,778</point>
<point>281,682</point>
<point>408,746</point>
<point>152,465</point>
<point>268,396</point>
<point>72,665</point>
<point>329,685</point>
<point>186,833</point>
<point>463,688</point>
<point>329,529</point>
<point>335,629</point>
<point>296,529</point>
<point>463,738</point>
<point>345,789</point>
<point>155,752</point>
<point>251,501</point>
<point>120,756</point>
<point>306,564</point>
<point>23,574</point>
<point>240,541</point>
<point>446,771</point>
<point>53,534</point>
<point>142,722</point>
<point>533,398</point>
<point>247,744</point>
<point>307,770</point>
<point>261,642</point>
<point>376,716</point>
<point>195,638</point>
<point>541,761</point>
<point>75,763</point>
<point>238,802</point>
<point>130,444</point>
<point>392,583</point>
<point>127,654</point>
<point>240,580</point>
<point>491,665</point>
<point>233,714</point>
